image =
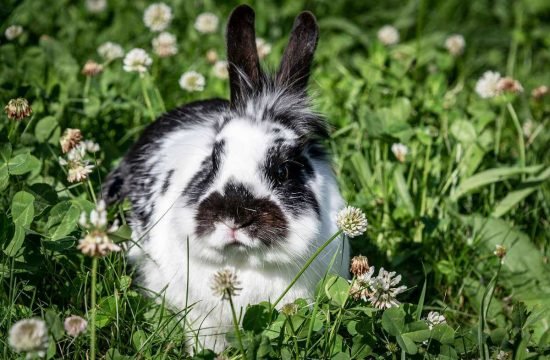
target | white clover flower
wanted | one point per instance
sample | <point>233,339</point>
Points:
<point>539,92</point>
<point>503,355</point>
<point>225,283</point>
<point>79,172</point>
<point>110,51</point>
<point>388,35</point>
<point>211,56</point>
<point>96,6</point>
<point>192,81</point>
<point>97,241</point>
<point>29,336</point>
<point>500,252</point>
<point>487,85</point>
<point>455,44</point>
<point>137,60</point>
<point>434,318</point>
<point>263,48</point>
<point>157,16</point>
<point>75,325</point>
<point>78,166</point>
<point>91,146</point>
<point>384,291</point>
<point>352,221</point>
<point>400,151</point>
<point>164,45</point>
<point>361,287</point>
<point>91,68</point>
<point>13,32</point>
<point>528,128</point>
<point>220,69</point>
<point>206,23</point>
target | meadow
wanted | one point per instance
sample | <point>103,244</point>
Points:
<point>439,114</point>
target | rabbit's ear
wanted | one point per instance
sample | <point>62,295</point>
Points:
<point>242,56</point>
<point>115,187</point>
<point>295,65</point>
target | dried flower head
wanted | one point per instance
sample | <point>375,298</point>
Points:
<point>290,309</point>
<point>435,318</point>
<point>388,35</point>
<point>70,139</point>
<point>96,6</point>
<point>18,109</point>
<point>75,325</point>
<point>78,166</point>
<point>97,242</point>
<point>206,23</point>
<point>92,68</point>
<point>487,85</point>
<point>220,69</point>
<point>110,51</point>
<point>192,81</point>
<point>13,32</point>
<point>137,60</point>
<point>263,48</point>
<point>352,221</point>
<point>359,265</point>
<point>400,151</point>
<point>211,56</point>
<point>539,92</point>
<point>225,283</point>
<point>509,85</point>
<point>29,336</point>
<point>500,252</point>
<point>164,45</point>
<point>157,16</point>
<point>384,289</point>
<point>455,44</point>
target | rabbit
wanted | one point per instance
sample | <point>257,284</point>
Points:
<point>244,183</point>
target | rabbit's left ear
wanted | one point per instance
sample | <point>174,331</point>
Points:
<point>298,56</point>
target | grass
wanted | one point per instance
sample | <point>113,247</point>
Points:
<point>473,177</point>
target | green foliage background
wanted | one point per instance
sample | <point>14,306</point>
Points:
<point>435,218</point>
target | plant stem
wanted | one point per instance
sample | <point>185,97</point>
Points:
<point>147,99</point>
<point>93,310</point>
<point>236,325</point>
<point>304,268</point>
<point>521,143</point>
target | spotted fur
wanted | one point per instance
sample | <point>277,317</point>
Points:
<point>244,183</point>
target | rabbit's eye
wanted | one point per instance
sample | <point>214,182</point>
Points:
<point>282,173</point>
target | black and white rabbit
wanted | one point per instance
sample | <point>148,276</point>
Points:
<point>244,183</point>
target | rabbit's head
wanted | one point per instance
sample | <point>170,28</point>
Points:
<point>259,193</point>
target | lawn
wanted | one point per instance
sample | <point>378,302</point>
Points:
<point>439,114</point>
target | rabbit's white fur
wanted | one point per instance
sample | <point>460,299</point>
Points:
<point>264,273</point>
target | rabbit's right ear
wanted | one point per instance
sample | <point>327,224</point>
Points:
<point>242,56</point>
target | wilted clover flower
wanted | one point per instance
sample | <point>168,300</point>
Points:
<point>263,48</point>
<point>75,325</point>
<point>388,35</point>
<point>97,241</point>
<point>13,32</point>
<point>164,45</point>
<point>192,81</point>
<point>352,221</point>
<point>211,56</point>
<point>384,289</point>
<point>137,60</point>
<point>359,265</point>
<point>220,69</point>
<point>225,283</point>
<point>29,336</point>
<point>157,16</point>
<point>400,151</point>
<point>206,23</point>
<point>18,109</point>
<point>290,309</point>
<point>539,92</point>
<point>509,85</point>
<point>78,166</point>
<point>503,355</point>
<point>91,68</point>
<point>487,85</point>
<point>455,44</point>
<point>70,139</point>
<point>434,318</point>
<point>96,6</point>
<point>500,252</point>
<point>110,51</point>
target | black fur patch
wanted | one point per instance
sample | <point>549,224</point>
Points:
<point>259,217</point>
<point>289,172</point>
<point>166,183</point>
<point>205,176</point>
